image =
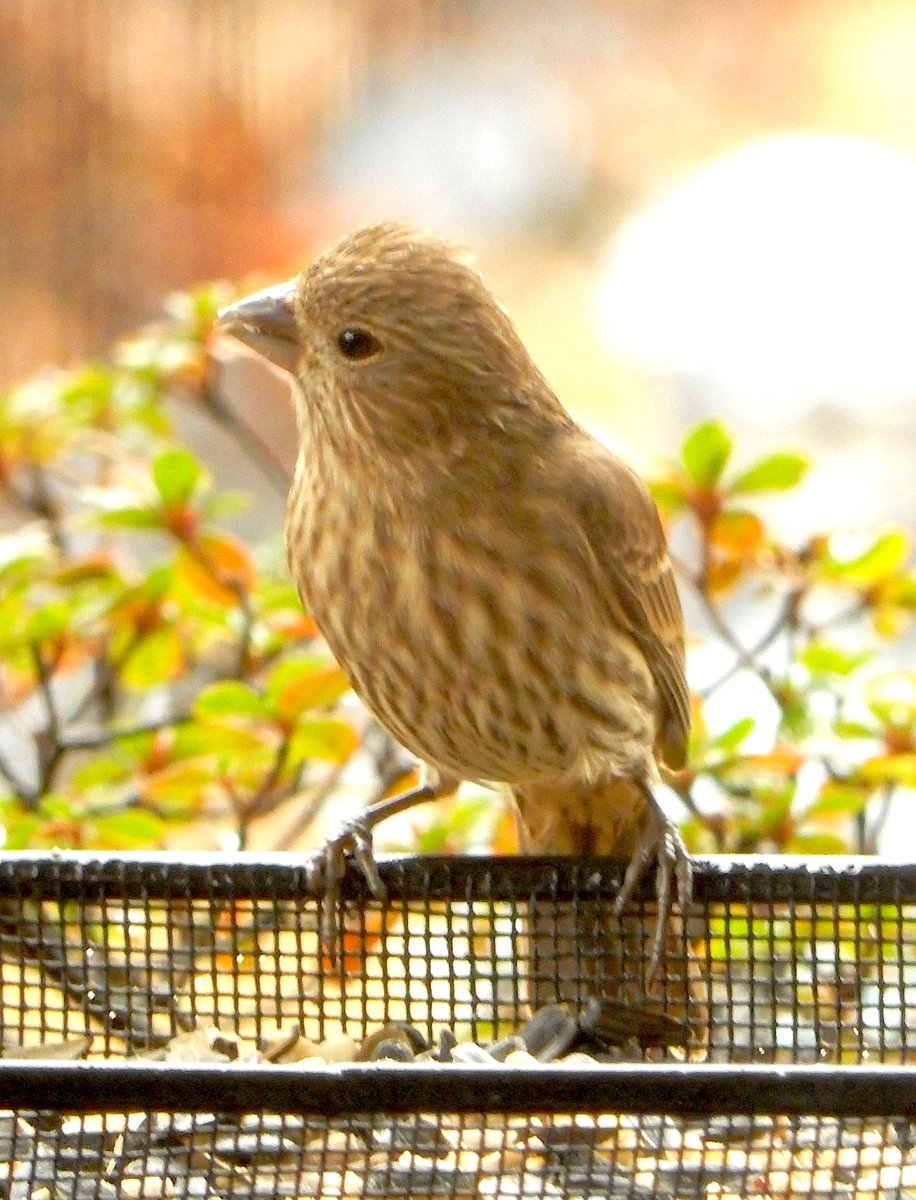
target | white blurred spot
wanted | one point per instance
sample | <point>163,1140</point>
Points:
<point>459,144</point>
<point>784,275</point>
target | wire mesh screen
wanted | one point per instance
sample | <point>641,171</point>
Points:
<point>775,963</point>
<point>484,1031</point>
<point>284,1155</point>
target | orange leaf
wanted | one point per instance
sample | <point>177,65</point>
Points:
<point>72,653</point>
<point>737,534</point>
<point>98,565</point>
<point>781,760</point>
<point>358,945</point>
<point>404,782</point>
<point>723,574</point>
<point>505,833</point>
<point>184,781</point>
<point>294,625</point>
<point>319,687</point>
<point>219,567</point>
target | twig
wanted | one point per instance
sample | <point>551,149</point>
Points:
<point>780,623</point>
<point>106,676</point>
<point>244,648</point>
<point>310,810</point>
<point>858,609</point>
<point>49,742</point>
<point>93,739</point>
<point>42,505</point>
<point>20,790</point>
<point>247,439</point>
<point>700,583</point>
<point>257,806</point>
<point>872,832</point>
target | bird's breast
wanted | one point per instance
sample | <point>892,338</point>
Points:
<point>486,656</point>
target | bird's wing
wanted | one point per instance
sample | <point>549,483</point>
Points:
<point>625,535</point>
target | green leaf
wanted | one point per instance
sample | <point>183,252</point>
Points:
<point>196,310</point>
<point>329,740</point>
<point>892,699</point>
<point>92,569</point>
<point>249,772</point>
<point>837,799</point>
<point>226,504</point>
<point>668,495</point>
<point>883,558</point>
<point>158,583</point>
<point>197,739</point>
<point>796,720</point>
<point>19,827</point>
<point>816,843</point>
<point>455,827</point>
<point>158,658</point>
<point>132,518</point>
<point>731,738</point>
<point>129,829</point>
<point>854,730</point>
<point>55,807</point>
<point>99,772</point>
<point>230,699</point>
<point>706,452</point>
<point>891,768</point>
<point>900,592</point>
<point>777,473</point>
<point>177,475</point>
<point>825,659</point>
<point>47,622</point>
<point>179,783</point>
<point>17,572</point>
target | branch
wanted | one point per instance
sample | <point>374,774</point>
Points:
<point>49,741</point>
<point>106,671</point>
<point>872,832</point>
<point>95,738</point>
<point>244,647</point>
<point>248,439</point>
<point>858,609</point>
<point>42,505</point>
<point>310,810</point>
<point>780,623</point>
<point>257,805</point>
<point>20,790</point>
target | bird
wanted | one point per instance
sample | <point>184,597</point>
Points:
<point>495,583</point>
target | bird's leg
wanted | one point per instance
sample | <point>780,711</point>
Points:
<point>660,841</point>
<point>354,837</point>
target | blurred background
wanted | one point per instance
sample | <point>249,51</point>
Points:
<point>692,208</point>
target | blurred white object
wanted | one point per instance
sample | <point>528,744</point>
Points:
<point>462,144</point>
<point>781,278</point>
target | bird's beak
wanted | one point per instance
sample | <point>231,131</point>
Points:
<point>266,322</point>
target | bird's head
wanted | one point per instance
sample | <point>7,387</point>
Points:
<point>394,338</point>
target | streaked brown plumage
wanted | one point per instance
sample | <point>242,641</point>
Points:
<point>494,581</point>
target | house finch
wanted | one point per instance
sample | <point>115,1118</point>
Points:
<point>495,582</point>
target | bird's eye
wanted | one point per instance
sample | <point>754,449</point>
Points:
<point>357,344</point>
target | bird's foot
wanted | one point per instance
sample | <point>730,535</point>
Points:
<point>662,842</point>
<point>328,866</point>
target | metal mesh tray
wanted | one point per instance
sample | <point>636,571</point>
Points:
<point>788,1018</point>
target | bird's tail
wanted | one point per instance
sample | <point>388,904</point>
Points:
<point>579,950</point>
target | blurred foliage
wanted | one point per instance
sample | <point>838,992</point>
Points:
<point>150,671</point>
<point>154,671</point>
<point>845,730</point>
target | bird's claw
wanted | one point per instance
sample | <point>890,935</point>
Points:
<point>662,842</point>
<point>328,868</point>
